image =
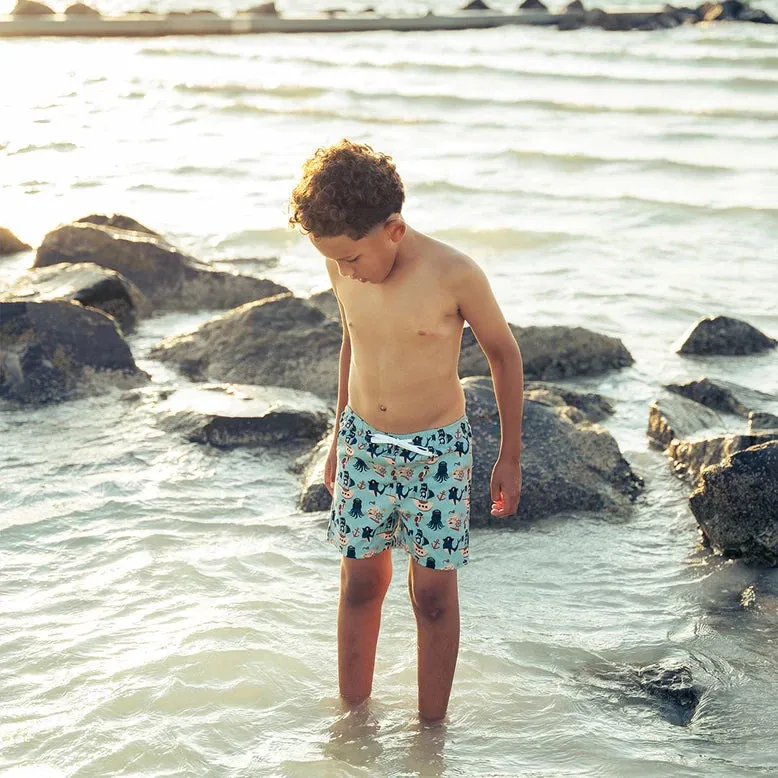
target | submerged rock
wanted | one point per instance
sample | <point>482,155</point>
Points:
<point>10,244</point>
<point>280,341</point>
<point>52,351</point>
<point>673,687</point>
<point>676,418</point>
<point>724,336</point>
<point>85,283</point>
<point>594,407</point>
<point>736,505</point>
<point>725,397</point>
<point>169,279</point>
<point>228,415</point>
<point>551,353</point>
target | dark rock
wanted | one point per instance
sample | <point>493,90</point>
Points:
<point>327,303</point>
<point>691,457</point>
<point>551,353</point>
<point>650,26</point>
<point>736,505</point>
<point>594,406</point>
<point>726,11</point>
<point>614,23</point>
<point>576,6</point>
<point>667,21</point>
<point>596,17</point>
<point>721,335</point>
<point>315,496</point>
<point>533,5</point>
<point>673,687</point>
<point>52,351</point>
<point>761,420</point>
<point>31,8</point>
<point>570,23</point>
<point>118,221</point>
<point>725,397</point>
<point>227,416</point>
<point>475,5</point>
<point>684,14</point>
<point>169,279</point>
<point>81,9</point>
<point>84,283</point>
<point>10,244</point>
<point>676,417</point>
<point>703,9</point>
<point>756,15</point>
<point>280,341</point>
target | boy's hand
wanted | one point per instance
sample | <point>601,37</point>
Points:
<point>331,468</point>
<point>506,488</point>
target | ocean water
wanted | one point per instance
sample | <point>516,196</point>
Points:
<point>165,610</point>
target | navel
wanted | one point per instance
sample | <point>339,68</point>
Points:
<point>381,407</point>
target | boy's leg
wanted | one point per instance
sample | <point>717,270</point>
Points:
<point>363,585</point>
<point>435,601</point>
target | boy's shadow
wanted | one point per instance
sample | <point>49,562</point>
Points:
<point>353,737</point>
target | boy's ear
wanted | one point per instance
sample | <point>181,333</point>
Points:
<point>395,228</point>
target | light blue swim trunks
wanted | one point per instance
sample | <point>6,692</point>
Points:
<point>411,491</point>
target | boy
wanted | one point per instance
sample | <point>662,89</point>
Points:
<point>400,462</point>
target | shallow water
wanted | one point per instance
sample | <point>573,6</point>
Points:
<point>166,611</point>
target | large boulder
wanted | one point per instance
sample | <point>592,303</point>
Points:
<point>724,336</point>
<point>676,418</point>
<point>551,353</point>
<point>230,415</point>
<point>736,505</point>
<point>169,279</point>
<point>51,351</point>
<point>594,406</point>
<point>280,341</point>
<point>569,465</point>
<point>84,283</point>
<point>10,244</point>
<point>31,8</point>
<point>691,457</point>
<point>726,397</point>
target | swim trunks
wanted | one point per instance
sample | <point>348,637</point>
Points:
<point>410,491</point>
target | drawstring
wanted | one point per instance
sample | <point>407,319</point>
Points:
<point>379,437</point>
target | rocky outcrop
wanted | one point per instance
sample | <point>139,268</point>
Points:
<point>169,279</point>
<point>676,418</point>
<point>551,353</point>
<point>228,415</point>
<point>736,505</point>
<point>117,220</point>
<point>726,397</point>
<point>691,457</point>
<point>314,495</point>
<point>90,285</point>
<point>10,244</point>
<point>81,9</point>
<point>263,9</point>
<point>51,351</point>
<point>327,303</point>
<point>280,341</point>
<point>724,336</point>
<point>533,5</point>
<point>569,465</point>
<point>760,420</point>
<point>31,8</point>
<point>594,406</point>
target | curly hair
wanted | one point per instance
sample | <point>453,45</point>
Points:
<point>346,189</point>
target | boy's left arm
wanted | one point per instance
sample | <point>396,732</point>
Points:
<point>480,309</point>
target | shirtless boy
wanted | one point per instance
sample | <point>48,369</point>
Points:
<point>400,463</point>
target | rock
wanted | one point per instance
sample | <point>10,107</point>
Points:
<point>569,23</point>
<point>673,687</point>
<point>613,23</point>
<point>684,14</point>
<point>576,6</point>
<point>551,353</point>
<point>90,285</point>
<point>569,465</point>
<point>31,8</point>
<point>314,496</point>
<point>594,407</point>
<point>756,15</point>
<point>10,244</point>
<point>81,9</point>
<point>667,21</point>
<point>327,303</point>
<point>725,397</point>
<point>596,17</point>
<point>760,420</point>
<point>725,11</point>
<point>721,335</point>
<point>691,457</point>
<point>736,505</point>
<point>117,220</point>
<point>475,5</point>
<point>263,9</point>
<point>52,351</point>
<point>169,279</point>
<point>533,5</point>
<point>279,341</point>
<point>676,418</point>
<point>227,416</point>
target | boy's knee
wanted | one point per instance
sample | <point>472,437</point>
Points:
<point>363,586</point>
<point>431,603</point>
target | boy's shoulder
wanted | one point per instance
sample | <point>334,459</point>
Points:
<point>458,266</point>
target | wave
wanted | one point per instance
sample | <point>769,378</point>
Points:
<point>502,237</point>
<point>45,147</point>
<point>153,188</point>
<point>157,51</point>
<point>197,170</point>
<point>242,90</point>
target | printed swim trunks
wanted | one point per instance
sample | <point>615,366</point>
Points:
<point>411,491</point>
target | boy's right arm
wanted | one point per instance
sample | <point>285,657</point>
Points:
<point>344,365</point>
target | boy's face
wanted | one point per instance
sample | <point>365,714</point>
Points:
<point>369,259</point>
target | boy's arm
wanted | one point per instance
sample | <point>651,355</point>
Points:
<point>344,363</point>
<point>480,309</point>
